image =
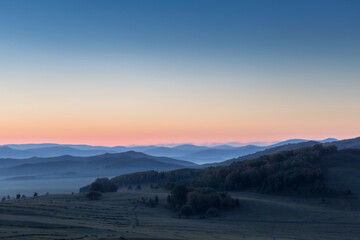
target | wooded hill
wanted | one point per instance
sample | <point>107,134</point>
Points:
<point>299,171</point>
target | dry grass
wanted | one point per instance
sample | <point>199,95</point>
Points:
<point>121,216</point>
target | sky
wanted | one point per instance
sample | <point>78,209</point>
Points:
<point>151,72</point>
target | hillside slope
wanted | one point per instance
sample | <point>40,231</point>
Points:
<point>342,170</point>
<point>265,152</point>
<point>308,170</point>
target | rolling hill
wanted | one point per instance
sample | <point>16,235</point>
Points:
<point>187,152</point>
<point>353,143</point>
<point>268,151</point>
<point>218,155</point>
<point>100,165</point>
<point>310,170</point>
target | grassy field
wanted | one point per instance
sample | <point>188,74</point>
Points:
<point>121,216</point>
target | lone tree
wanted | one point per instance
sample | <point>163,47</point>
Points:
<point>18,196</point>
<point>35,194</point>
<point>187,211</point>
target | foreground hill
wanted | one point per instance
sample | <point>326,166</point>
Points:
<point>121,216</point>
<point>302,171</point>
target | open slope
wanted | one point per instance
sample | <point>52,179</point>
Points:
<point>121,216</point>
<point>342,170</point>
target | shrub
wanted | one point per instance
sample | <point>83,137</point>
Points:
<point>212,212</point>
<point>93,195</point>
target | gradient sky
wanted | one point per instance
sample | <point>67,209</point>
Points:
<point>146,72</point>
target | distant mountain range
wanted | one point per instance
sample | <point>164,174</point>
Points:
<point>114,164</point>
<point>187,152</point>
<point>101,165</point>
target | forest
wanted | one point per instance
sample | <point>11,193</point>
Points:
<point>296,171</point>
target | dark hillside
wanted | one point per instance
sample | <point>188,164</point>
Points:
<point>353,143</point>
<point>300,171</point>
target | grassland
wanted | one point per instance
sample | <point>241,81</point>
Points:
<point>121,216</point>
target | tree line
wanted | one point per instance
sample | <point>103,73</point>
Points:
<point>296,171</point>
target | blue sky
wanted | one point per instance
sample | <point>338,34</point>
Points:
<point>237,70</point>
<point>160,26</point>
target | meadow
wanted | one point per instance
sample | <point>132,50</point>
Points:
<point>122,215</point>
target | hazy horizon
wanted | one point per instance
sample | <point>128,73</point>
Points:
<point>171,144</point>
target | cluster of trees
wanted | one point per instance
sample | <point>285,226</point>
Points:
<point>295,171</point>
<point>188,201</point>
<point>103,185</point>
<point>100,185</point>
